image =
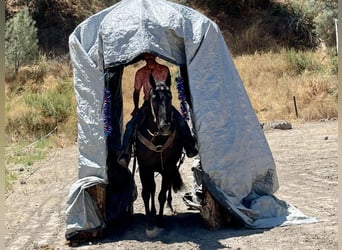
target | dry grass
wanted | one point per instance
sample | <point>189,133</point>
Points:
<point>271,83</point>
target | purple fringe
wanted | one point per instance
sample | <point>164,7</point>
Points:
<point>182,97</point>
<point>107,115</point>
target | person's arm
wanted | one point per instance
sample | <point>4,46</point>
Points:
<point>136,91</point>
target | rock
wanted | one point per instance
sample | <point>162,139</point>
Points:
<point>284,125</point>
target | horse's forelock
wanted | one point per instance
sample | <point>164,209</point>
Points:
<point>160,85</point>
<point>161,95</point>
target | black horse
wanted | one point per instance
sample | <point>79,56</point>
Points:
<point>158,149</point>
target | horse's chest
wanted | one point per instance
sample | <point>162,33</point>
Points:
<point>158,159</point>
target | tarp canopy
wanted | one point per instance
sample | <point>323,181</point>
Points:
<point>234,153</point>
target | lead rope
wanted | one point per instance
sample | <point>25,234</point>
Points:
<point>161,161</point>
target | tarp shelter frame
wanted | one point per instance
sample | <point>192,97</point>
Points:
<point>234,153</point>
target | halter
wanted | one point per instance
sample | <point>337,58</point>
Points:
<point>159,87</point>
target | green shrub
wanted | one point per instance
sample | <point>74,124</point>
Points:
<point>334,61</point>
<point>231,7</point>
<point>303,61</point>
<point>56,103</point>
<point>39,112</point>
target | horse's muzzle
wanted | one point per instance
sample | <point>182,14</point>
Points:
<point>165,129</point>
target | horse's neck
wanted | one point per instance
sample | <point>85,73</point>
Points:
<point>148,127</point>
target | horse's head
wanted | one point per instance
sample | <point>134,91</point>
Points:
<point>161,105</point>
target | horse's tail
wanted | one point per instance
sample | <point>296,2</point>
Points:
<point>177,182</point>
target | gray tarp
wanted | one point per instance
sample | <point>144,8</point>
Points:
<point>89,218</point>
<point>233,150</point>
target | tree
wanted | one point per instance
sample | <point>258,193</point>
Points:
<point>324,12</point>
<point>21,42</point>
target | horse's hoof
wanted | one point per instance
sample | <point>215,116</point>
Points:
<point>152,233</point>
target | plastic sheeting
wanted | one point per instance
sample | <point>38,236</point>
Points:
<point>82,211</point>
<point>233,150</point>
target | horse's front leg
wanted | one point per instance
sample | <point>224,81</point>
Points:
<point>162,199</point>
<point>152,193</point>
<point>148,190</point>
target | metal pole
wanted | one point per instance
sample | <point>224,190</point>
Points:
<point>336,30</point>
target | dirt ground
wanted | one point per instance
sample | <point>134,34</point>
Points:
<point>306,159</point>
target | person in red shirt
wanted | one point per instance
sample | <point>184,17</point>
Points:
<point>142,81</point>
<point>142,78</point>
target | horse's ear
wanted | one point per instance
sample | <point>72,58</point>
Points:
<point>168,80</point>
<point>152,82</point>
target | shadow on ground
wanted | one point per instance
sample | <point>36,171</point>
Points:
<point>179,228</point>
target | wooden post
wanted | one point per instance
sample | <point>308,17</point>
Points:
<point>98,193</point>
<point>212,213</point>
<point>295,105</point>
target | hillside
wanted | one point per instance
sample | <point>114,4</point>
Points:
<point>274,49</point>
<point>247,26</point>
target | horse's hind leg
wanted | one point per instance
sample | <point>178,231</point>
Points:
<point>169,198</point>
